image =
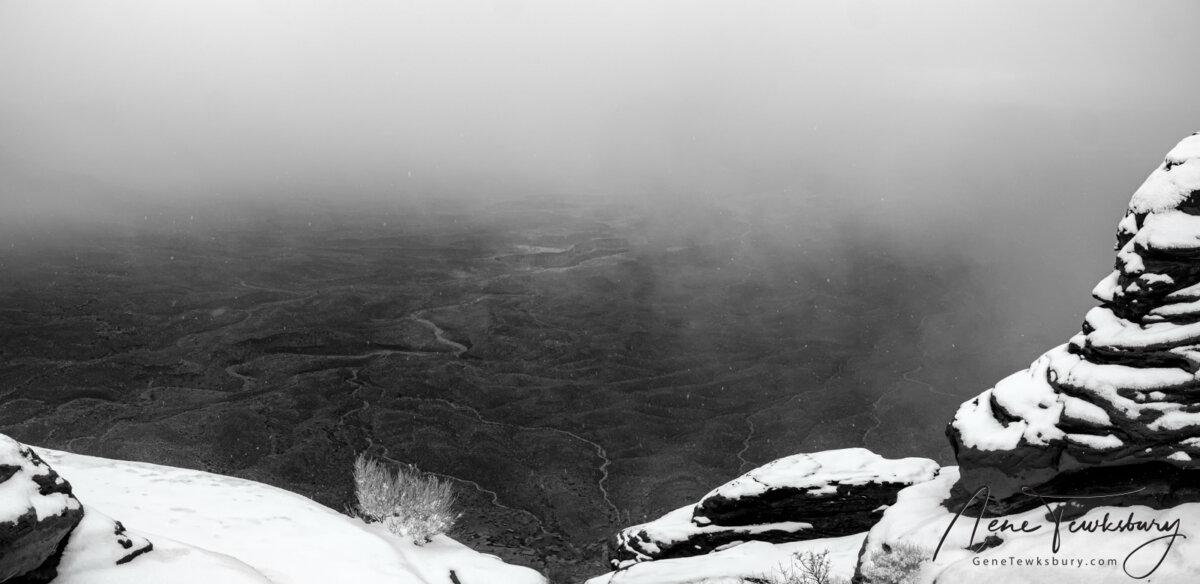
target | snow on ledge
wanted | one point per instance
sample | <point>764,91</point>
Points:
<point>20,493</point>
<point>820,472</point>
<point>213,528</point>
<point>1172,181</point>
<point>754,559</point>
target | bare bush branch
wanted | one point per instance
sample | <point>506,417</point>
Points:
<point>409,503</point>
<point>805,568</point>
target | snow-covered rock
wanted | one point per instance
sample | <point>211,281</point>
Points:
<point>212,528</point>
<point>1091,452</point>
<point>676,535</point>
<point>805,496</point>
<point>1097,544</point>
<point>1122,391</point>
<point>1085,463</point>
<point>823,488</point>
<point>37,512</point>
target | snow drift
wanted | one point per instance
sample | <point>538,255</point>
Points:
<point>211,528</point>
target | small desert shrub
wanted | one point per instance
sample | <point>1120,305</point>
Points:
<point>805,568</point>
<point>898,563</point>
<point>408,502</point>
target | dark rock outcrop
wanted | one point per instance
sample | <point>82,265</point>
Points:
<point>804,496</point>
<point>827,489</point>
<point>675,535</point>
<point>37,514</point>
<point>1125,391</point>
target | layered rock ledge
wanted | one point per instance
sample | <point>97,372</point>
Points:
<point>1123,391</point>
<point>800,497</point>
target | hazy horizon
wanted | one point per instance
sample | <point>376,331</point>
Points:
<point>179,100</point>
<point>1009,133</point>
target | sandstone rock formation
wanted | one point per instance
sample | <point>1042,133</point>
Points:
<point>1110,421</point>
<point>825,488</point>
<point>42,523</point>
<point>1125,390</point>
<point>37,514</point>
<point>799,497</point>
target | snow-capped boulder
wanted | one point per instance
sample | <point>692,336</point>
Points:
<point>37,513</point>
<point>804,496</point>
<point>1122,391</point>
<point>837,490</point>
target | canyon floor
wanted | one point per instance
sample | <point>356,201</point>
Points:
<point>573,367</point>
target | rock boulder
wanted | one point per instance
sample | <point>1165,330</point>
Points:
<point>799,497</point>
<point>37,514</point>
<point>836,490</point>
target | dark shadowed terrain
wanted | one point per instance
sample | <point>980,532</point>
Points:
<point>574,367</point>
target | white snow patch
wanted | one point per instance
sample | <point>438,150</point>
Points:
<point>20,493</point>
<point>1169,230</point>
<point>1026,394</point>
<point>755,559</point>
<point>821,472</point>
<point>678,526</point>
<point>1166,187</point>
<point>92,553</point>
<point>1106,442</point>
<point>213,528</point>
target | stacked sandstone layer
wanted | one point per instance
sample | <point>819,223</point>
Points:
<point>799,497</point>
<point>1125,390</point>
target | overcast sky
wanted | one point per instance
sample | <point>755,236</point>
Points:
<point>952,108</point>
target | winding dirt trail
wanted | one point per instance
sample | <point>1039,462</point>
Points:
<point>440,334</point>
<point>751,429</point>
<point>601,453</point>
<point>383,453</point>
<point>876,420</point>
<point>741,454</point>
<point>459,349</point>
<point>928,386</point>
<point>906,376</point>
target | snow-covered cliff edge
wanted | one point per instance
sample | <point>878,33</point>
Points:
<point>208,528</point>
